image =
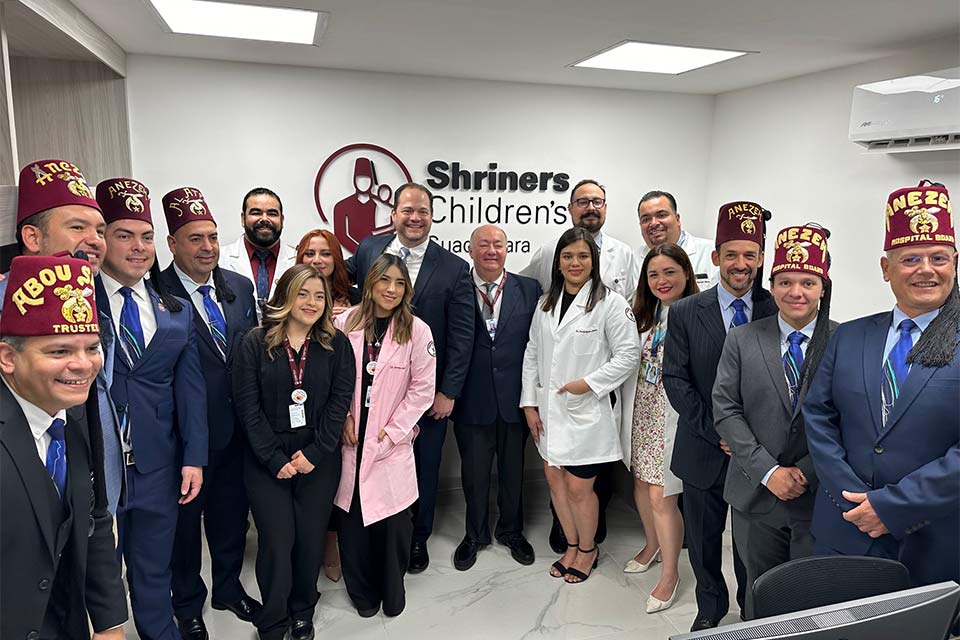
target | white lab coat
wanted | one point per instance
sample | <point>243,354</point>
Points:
<point>672,485</point>
<point>619,268</point>
<point>602,347</point>
<point>700,251</point>
<point>234,257</point>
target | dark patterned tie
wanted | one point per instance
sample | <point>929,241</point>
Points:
<point>793,364</point>
<point>215,320</point>
<point>487,310</point>
<point>131,331</point>
<point>739,313</point>
<point>263,275</point>
<point>57,457</point>
<point>895,367</point>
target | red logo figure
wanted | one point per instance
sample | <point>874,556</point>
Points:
<point>355,216</point>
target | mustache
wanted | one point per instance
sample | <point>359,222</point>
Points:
<point>264,224</point>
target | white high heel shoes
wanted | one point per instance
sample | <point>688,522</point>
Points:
<point>655,604</point>
<point>633,566</point>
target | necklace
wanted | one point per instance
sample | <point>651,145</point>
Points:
<point>379,337</point>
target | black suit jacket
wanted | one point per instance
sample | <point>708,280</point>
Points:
<point>442,297</point>
<point>494,378</point>
<point>241,316</point>
<point>691,354</point>
<point>38,540</point>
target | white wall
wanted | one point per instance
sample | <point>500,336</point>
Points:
<point>785,145</point>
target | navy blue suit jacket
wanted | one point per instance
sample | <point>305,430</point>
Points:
<point>496,366</point>
<point>241,316</point>
<point>442,297</point>
<point>909,469</point>
<point>163,394</point>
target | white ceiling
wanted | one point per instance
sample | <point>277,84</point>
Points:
<point>536,40</point>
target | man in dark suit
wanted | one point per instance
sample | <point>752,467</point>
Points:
<point>443,298</point>
<point>762,378</point>
<point>223,310</point>
<point>158,390</point>
<point>883,420</point>
<point>698,327</point>
<point>56,545</point>
<point>488,420</point>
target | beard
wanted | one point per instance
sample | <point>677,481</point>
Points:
<point>257,234</point>
<point>591,224</point>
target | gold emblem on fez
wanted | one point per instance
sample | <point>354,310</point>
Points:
<point>747,226</point>
<point>133,201</point>
<point>796,252</point>
<point>922,221</point>
<point>197,209</point>
<point>76,184</point>
<point>76,308</point>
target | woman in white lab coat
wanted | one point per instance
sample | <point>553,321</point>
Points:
<point>583,345</point>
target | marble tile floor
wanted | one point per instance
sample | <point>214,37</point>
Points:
<point>497,597</point>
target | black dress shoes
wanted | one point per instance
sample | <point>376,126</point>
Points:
<point>419,559</point>
<point>301,630</point>
<point>193,629</point>
<point>520,549</point>
<point>558,541</point>
<point>246,608</point>
<point>466,554</point>
<point>703,623</point>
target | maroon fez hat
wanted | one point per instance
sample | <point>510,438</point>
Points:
<point>802,249</point>
<point>742,220</point>
<point>46,184</point>
<point>183,206</point>
<point>49,295</point>
<point>919,215</point>
<point>124,199</point>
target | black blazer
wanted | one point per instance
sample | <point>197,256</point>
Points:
<point>442,297</point>
<point>262,388</point>
<point>494,377</point>
<point>691,354</point>
<point>241,316</point>
<point>37,541</point>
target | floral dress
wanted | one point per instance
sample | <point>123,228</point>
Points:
<point>649,414</point>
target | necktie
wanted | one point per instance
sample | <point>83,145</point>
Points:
<point>404,254</point>
<point>739,313</point>
<point>131,332</point>
<point>57,456</point>
<point>895,367</point>
<point>263,275</point>
<point>793,364</point>
<point>486,310</point>
<point>215,320</point>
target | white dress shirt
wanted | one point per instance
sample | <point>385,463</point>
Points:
<point>148,321</point>
<point>479,282</point>
<point>39,421</point>
<point>725,298</point>
<point>414,260</point>
<point>193,290</point>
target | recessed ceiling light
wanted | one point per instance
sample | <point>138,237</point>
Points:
<point>646,57</point>
<point>250,22</point>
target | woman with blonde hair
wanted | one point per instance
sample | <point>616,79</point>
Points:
<point>394,386</point>
<point>293,380</point>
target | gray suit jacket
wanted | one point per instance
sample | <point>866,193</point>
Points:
<point>752,412</point>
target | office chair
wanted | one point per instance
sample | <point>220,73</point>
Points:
<point>807,583</point>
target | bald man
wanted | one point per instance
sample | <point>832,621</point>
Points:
<point>487,417</point>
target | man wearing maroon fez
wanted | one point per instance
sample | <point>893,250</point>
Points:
<point>56,546</point>
<point>161,403</point>
<point>56,212</point>
<point>763,376</point>
<point>698,328</point>
<point>882,415</point>
<point>223,310</point>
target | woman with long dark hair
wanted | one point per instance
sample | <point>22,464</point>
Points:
<point>293,381</point>
<point>394,386</point>
<point>583,346</point>
<point>648,422</point>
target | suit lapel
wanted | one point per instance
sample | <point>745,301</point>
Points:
<point>429,265</point>
<point>199,322</point>
<point>108,339</point>
<point>162,315</point>
<point>768,337</point>
<point>233,314</point>
<point>575,310</point>
<point>912,387</point>
<point>873,340</point>
<point>508,303</point>
<point>710,316</point>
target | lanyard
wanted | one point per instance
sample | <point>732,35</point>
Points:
<point>659,333</point>
<point>491,304</point>
<point>297,372</point>
<point>371,354</point>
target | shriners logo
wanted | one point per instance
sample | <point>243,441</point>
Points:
<point>192,200</point>
<point>67,172</point>
<point>921,221</point>
<point>747,226</point>
<point>76,308</point>
<point>132,201</point>
<point>796,252</point>
<point>353,187</point>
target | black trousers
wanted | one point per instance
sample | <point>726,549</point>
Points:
<point>291,518</point>
<point>478,444</point>
<point>705,518</point>
<point>222,504</point>
<point>374,558</point>
<point>427,451</point>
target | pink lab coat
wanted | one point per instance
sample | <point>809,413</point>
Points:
<point>402,391</point>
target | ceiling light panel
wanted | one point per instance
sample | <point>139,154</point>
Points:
<point>250,22</point>
<point>646,57</point>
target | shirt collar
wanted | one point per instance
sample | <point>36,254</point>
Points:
<point>923,320</point>
<point>252,248</point>
<point>786,329</point>
<point>188,282</point>
<point>599,239</point>
<point>112,287</point>
<point>417,251</point>
<point>38,419</point>
<point>480,281</point>
<point>726,298</point>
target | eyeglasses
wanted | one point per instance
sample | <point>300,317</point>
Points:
<point>936,260</point>
<point>583,202</point>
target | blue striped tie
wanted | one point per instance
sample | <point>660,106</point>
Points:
<point>57,457</point>
<point>215,320</point>
<point>131,331</point>
<point>739,313</point>
<point>895,367</point>
<point>793,364</point>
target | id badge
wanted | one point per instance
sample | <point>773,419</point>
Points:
<point>492,327</point>
<point>298,416</point>
<point>366,400</point>
<point>651,373</point>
